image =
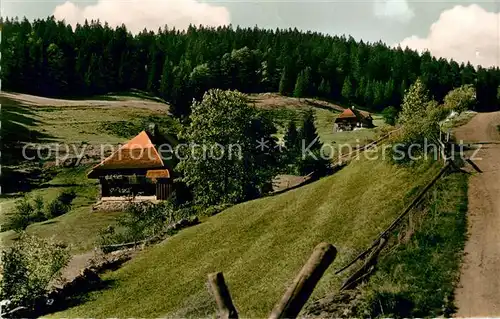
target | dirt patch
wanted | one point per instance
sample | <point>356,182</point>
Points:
<point>94,260</point>
<point>115,101</point>
<point>477,294</point>
<point>274,100</point>
<point>283,182</point>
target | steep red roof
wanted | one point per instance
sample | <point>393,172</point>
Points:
<point>355,114</point>
<point>139,152</point>
<point>347,114</point>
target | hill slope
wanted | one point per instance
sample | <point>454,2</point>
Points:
<point>75,127</point>
<point>85,126</point>
<point>259,245</point>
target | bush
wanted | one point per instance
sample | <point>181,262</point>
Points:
<point>29,267</point>
<point>27,212</point>
<point>141,221</point>
<point>56,208</point>
<point>38,209</point>
<point>461,99</point>
<point>61,205</point>
<point>420,117</point>
<point>22,215</point>
<point>66,196</point>
<point>390,114</point>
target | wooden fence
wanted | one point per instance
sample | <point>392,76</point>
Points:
<point>324,254</point>
<point>295,296</point>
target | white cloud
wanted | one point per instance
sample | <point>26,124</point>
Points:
<point>464,34</point>
<point>398,10</point>
<point>150,14</point>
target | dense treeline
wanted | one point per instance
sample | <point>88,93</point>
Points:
<point>48,57</point>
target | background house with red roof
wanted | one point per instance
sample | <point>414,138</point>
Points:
<point>137,168</point>
<point>353,118</point>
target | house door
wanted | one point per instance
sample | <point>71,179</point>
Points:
<point>163,189</point>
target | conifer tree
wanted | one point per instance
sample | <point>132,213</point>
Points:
<point>311,159</point>
<point>166,79</point>
<point>300,85</point>
<point>284,87</point>
<point>324,88</point>
<point>292,142</point>
<point>347,89</point>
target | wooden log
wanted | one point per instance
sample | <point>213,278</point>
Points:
<point>474,165</point>
<point>225,306</point>
<point>366,269</point>
<point>398,219</point>
<point>302,287</point>
<point>458,169</point>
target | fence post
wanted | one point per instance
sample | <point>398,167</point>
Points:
<point>366,268</point>
<point>225,306</point>
<point>302,287</point>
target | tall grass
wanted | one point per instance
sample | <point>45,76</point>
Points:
<point>417,278</point>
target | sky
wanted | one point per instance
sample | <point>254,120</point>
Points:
<point>462,30</point>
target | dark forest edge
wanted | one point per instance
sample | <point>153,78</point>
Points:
<point>49,58</point>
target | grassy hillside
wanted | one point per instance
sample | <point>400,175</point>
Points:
<point>108,119</point>
<point>284,109</point>
<point>30,118</point>
<point>79,227</point>
<point>259,245</point>
<point>83,124</point>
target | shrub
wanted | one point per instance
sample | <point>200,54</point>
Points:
<point>420,117</point>
<point>390,114</point>
<point>38,209</point>
<point>417,279</point>
<point>22,215</point>
<point>29,267</point>
<point>61,205</point>
<point>56,208</point>
<point>141,221</point>
<point>66,196</point>
<point>26,212</point>
<point>461,99</point>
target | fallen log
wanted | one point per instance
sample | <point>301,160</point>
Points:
<point>468,160</point>
<point>366,269</point>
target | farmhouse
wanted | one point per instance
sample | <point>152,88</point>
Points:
<point>137,169</point>
<point>351,119</point>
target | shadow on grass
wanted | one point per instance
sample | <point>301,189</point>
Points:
<point>11,195</point>
<point>18,127</point>
<point>46,185</point>
<point>65,298</point>
<point>313,178</point>
<point>322,106</point>
<point>49,222</point>
<point>81,295</point>
<point>15,180</point>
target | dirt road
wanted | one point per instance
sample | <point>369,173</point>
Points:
<point>478,294</point>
